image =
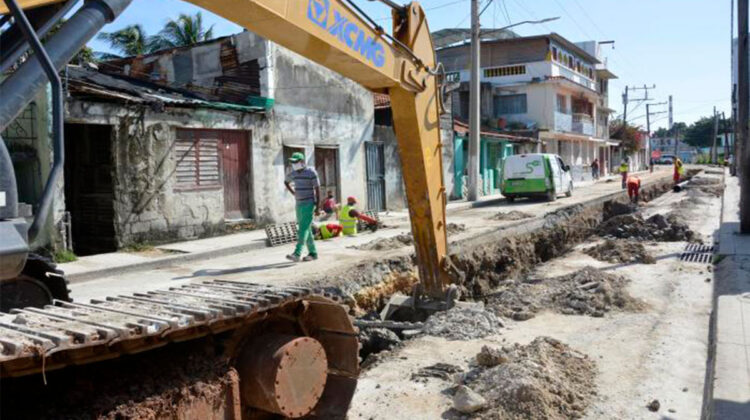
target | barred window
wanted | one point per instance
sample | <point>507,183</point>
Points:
<point>197,157</point>
<point>505,71</point>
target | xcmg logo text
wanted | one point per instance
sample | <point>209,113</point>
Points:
<point>349,33</point>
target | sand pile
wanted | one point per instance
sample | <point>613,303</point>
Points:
<point>585,292</point>
<point>401,240</point>
<point>462,323</point>
<point>620,251</point>
<point>656,228</point>
<point>511,215</point>
<point>545,379</point>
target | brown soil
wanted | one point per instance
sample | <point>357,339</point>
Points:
<point>511,215</point>
<point>656,228</point>
<point>402,240</point>
<point>545,379</point>
<point>585,292</point>
<point>152,385</point>
<point>621,251</point>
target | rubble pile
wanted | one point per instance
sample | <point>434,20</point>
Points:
<point>656,228</point>
<point>620,251</point>
<point>511,215</point>
<point>401,240</point>
<point>462,323</point>
<point>375,340</point>
<point>708,185</point>
<point>585,292</point>
<point>545,379</point>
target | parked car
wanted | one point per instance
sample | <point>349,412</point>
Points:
<point>535,175</point>
<point>665,160</point>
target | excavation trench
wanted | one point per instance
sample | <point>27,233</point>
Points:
<point>496,268</point>
<point>485,261</point>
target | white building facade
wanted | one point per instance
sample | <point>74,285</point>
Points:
<point>545,83</point>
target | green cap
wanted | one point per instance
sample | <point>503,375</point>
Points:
<point>297,157</point>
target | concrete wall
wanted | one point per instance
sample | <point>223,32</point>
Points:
<point>148,207</point>
<point>314,106</point>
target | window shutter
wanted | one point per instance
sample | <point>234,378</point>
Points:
<point>197,160</point>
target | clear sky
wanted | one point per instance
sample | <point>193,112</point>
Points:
<point>681,46</point>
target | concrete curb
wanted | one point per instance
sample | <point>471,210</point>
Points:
<point>163,262</point>
<point>238,249</point>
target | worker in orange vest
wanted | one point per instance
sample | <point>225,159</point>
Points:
<point>634,188</point>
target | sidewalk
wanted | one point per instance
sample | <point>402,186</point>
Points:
<point>730,393</point>
<point>102,265</point>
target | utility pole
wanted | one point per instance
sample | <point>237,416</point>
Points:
<point>714,152</point>
<point>626,98</point>
<point>743,101</point>
<point>727,152</point>
<point>474,105</point>
<point>648,129</point>
<point>625,106</point>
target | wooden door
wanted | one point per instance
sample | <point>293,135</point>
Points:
<point>327,167</point>
<point>234,161</point>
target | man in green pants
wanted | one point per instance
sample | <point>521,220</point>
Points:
<point>306,192</point>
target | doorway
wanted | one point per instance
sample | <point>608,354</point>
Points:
<point>234,160</point>
<point>89,190</point>
<point>327,167</point>
<point>375,162</point>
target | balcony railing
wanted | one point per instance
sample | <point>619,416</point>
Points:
<point>583,124</point>
<point>563,122</point>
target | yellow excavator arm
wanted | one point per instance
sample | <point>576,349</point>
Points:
<point>402,65</point>
<point>330,33</point>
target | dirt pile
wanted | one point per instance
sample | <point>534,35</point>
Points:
<point>708,185</point>
<point>401,240</point>
<point>462,323</point>
<point>620,251</point>
<point>585,292</point>
<point>511,215</point>
<point>545,379</point>
<point>656,228</point>
<point>151,385</point>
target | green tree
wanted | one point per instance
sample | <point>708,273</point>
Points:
<point>700,133</point>
<point>184,31</point>
<point>128,41</point>
<point>630,136</point>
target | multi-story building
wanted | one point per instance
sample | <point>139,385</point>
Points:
<point>547,84</point>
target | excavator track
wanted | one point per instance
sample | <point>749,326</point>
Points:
<point>264,330</point>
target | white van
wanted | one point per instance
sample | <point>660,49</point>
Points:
<point>535,175</point>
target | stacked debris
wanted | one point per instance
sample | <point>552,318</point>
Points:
<point>511,215</point>
<point>462,323</point>
<point>545,379</point>
<point>620,251</point>
<point>401,240</point>
<point>585,292</point>
<point>656,228</point>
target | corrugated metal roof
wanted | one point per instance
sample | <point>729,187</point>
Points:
<point>84,82</point>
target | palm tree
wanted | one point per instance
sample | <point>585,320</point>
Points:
<point>184,31</point>
<point>130,40</point>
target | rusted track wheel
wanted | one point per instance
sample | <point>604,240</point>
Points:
<point>301,360</point>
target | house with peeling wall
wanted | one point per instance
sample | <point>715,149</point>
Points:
<point>177,144</point>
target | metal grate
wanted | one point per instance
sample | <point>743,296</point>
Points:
<point>697,253</point>
<point>282,233</point>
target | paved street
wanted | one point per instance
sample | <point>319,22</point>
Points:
<point>268,265</point>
